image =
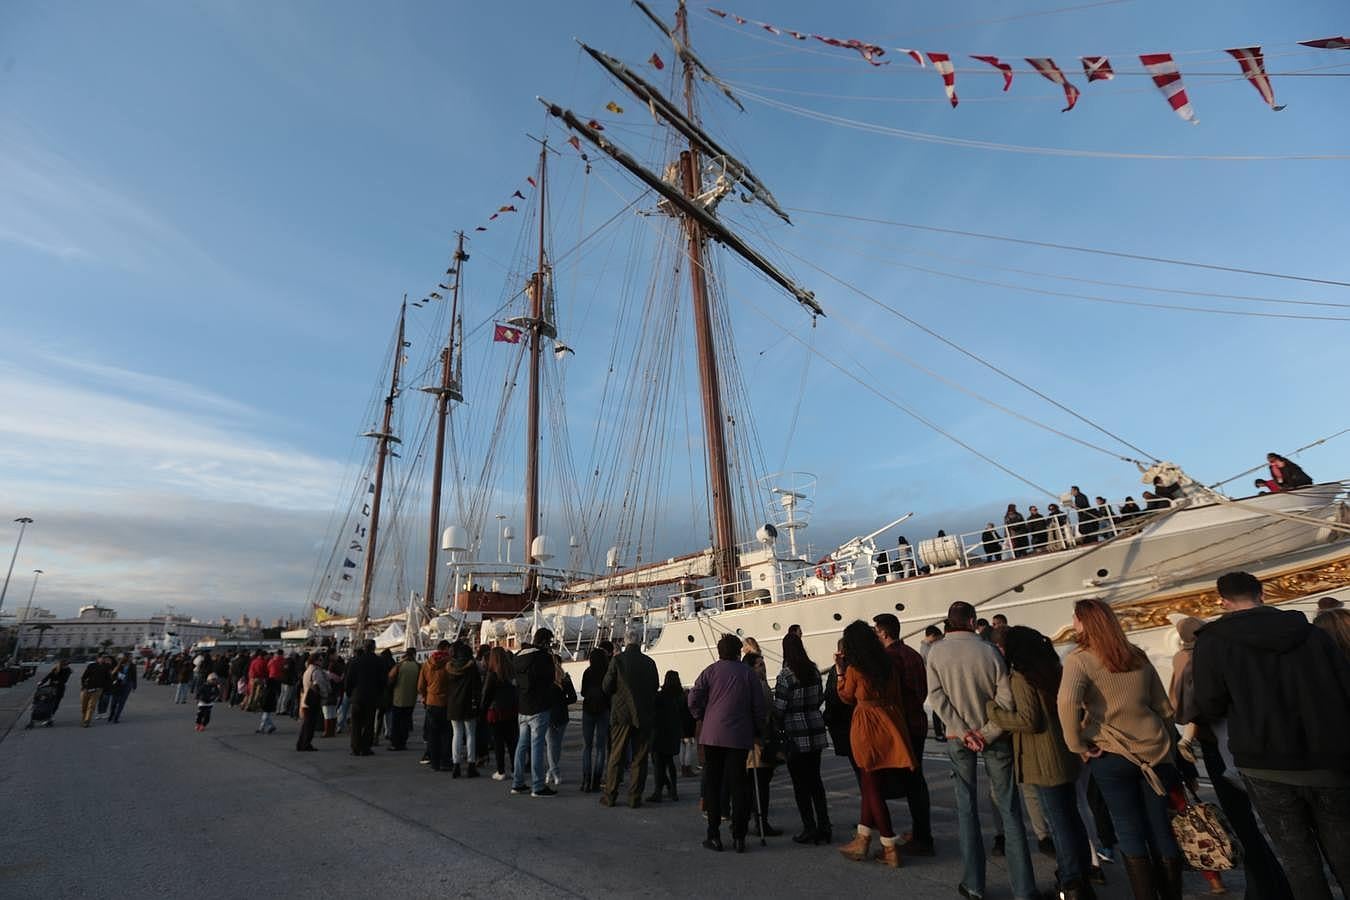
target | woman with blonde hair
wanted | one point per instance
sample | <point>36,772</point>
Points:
<point>1336,622</point>
<point>1115,714</point>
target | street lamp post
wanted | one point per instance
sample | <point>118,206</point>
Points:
<point>24,522</point>
<point>27,611</point>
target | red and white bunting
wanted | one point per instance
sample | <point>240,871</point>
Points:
<point>912,54</point>
<point>1097,68</point>
<point>1046,66</point>
<point>1001,66</point>
<point>1254,69</point>
<point>1167,77</point>
<point>1331,43</point>
<point>943,63</point>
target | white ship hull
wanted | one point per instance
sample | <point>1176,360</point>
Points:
<point>1179,554</point>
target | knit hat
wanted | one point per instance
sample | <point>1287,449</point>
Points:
<point>1187,627</point>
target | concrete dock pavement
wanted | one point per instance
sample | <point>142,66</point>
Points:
<point>149,806</point>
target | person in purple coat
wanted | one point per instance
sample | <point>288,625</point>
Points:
<point>729,701</point>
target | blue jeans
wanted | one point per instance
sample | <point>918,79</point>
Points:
<point>594,744</point>
<point>1138,813</point>
<point>533,735</point>
<point>998,763</point>
<point>555,739</point>
<point>1072,850</point>
<point>464,741</point>
<point>119,702</point>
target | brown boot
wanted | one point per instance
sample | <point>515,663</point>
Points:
<point>857,849</point>
<point>889,854</point>
<point>329,727</point>
<point>1139,869</point>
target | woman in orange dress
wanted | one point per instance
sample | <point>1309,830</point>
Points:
<point>868,681</point>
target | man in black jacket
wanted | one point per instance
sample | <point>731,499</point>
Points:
<point>534,683</point>
<point>1284,688</point>
<point>96,678</point>
<point>365,685</point>
<point>631,682</point>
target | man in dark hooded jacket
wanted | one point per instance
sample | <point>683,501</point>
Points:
<point>365,685</point>
<point>632,682</point>
<point>1284,688</point>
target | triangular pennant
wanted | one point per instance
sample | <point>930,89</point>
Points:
<point>1254,70</point>
<point>942,62</point>
<point>1001,66</point>
<point>1046,66</point>
<point>1167,77</point>
<point>1097,68</point>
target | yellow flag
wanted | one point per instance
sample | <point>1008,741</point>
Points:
<point>614,107</point>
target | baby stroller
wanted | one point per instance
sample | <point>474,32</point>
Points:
<point>44,705</point>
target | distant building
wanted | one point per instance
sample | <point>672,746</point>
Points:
<point>87,632</point>
<point>23,614</point>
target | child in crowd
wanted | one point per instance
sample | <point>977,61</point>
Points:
<point>207,695</point>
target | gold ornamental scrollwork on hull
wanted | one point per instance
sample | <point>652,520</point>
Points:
<point>1136,615</point>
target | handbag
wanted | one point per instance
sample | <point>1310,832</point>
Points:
<point>1205,836</point>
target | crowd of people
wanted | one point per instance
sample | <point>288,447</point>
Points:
<point>1087,758</point>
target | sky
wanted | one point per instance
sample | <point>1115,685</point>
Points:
<point>209,212</point>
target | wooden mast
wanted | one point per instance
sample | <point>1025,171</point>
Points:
<point>535,326</point>
<point>384,436</point>
<point>719,481</point>
<point>448,390</point>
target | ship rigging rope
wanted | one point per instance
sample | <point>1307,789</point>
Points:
<point>970,143</point>
<point>1072,247</point>
<point>1315,443</point>
<point>914,414</point>
<point>973,356</point>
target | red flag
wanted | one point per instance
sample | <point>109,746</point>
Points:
<point>505,334</point>
<point>1254,69</point>
<point>1047,67</point>
<point>656,62</point>
<point>1001,66</point>
<point>769,28</point>
<point>518,194</point>
<point>913,54</point>
<point>530,179</point>
<point>739,20</point>
<point>575,142</point>
<point>593,125</point>
<point>943,63</point>
<point>1331,43</point>
<point>717,12</point>
<point>1167,77</point>
<point>507,208</point>
<point>1097,68</point>
<point>493,216</point>
<point>798,35</point>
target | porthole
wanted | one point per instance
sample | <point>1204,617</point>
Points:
<point>777,627</point>
<point>1102,573</point>
<point>740,632</point>
<point>899,607</point>
<point>838,618</point>
<point>691,638</point>
<point>1019,589</point>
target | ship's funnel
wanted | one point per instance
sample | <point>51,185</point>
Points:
<point>454,539</point>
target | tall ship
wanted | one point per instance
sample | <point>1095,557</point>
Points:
<point>676,455</point>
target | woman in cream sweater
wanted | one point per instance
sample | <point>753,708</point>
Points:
<point>1115,714</point>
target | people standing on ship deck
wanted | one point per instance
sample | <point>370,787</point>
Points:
<point>1284,688</point>
<point>964,674</point>
<point>1106,517</point>
<point>432,687</point>
<point>869,680</point>
<point>797,700</point>
<point>463,693</point>
<point>403,678</point>
<point>1087,516</point>
<point>1036,529</point>
<point>910,666</point>
<point>632,682</point>
<point>1014,527</point>
<point>1129,509</point>
<point>1116,716</point>
<point>727,701</point>
<point>594,721</point>
<point>502,702</point>
<point>989,540</point>
<point>1285,475</point>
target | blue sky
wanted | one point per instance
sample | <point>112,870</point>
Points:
<point>209,211</point>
